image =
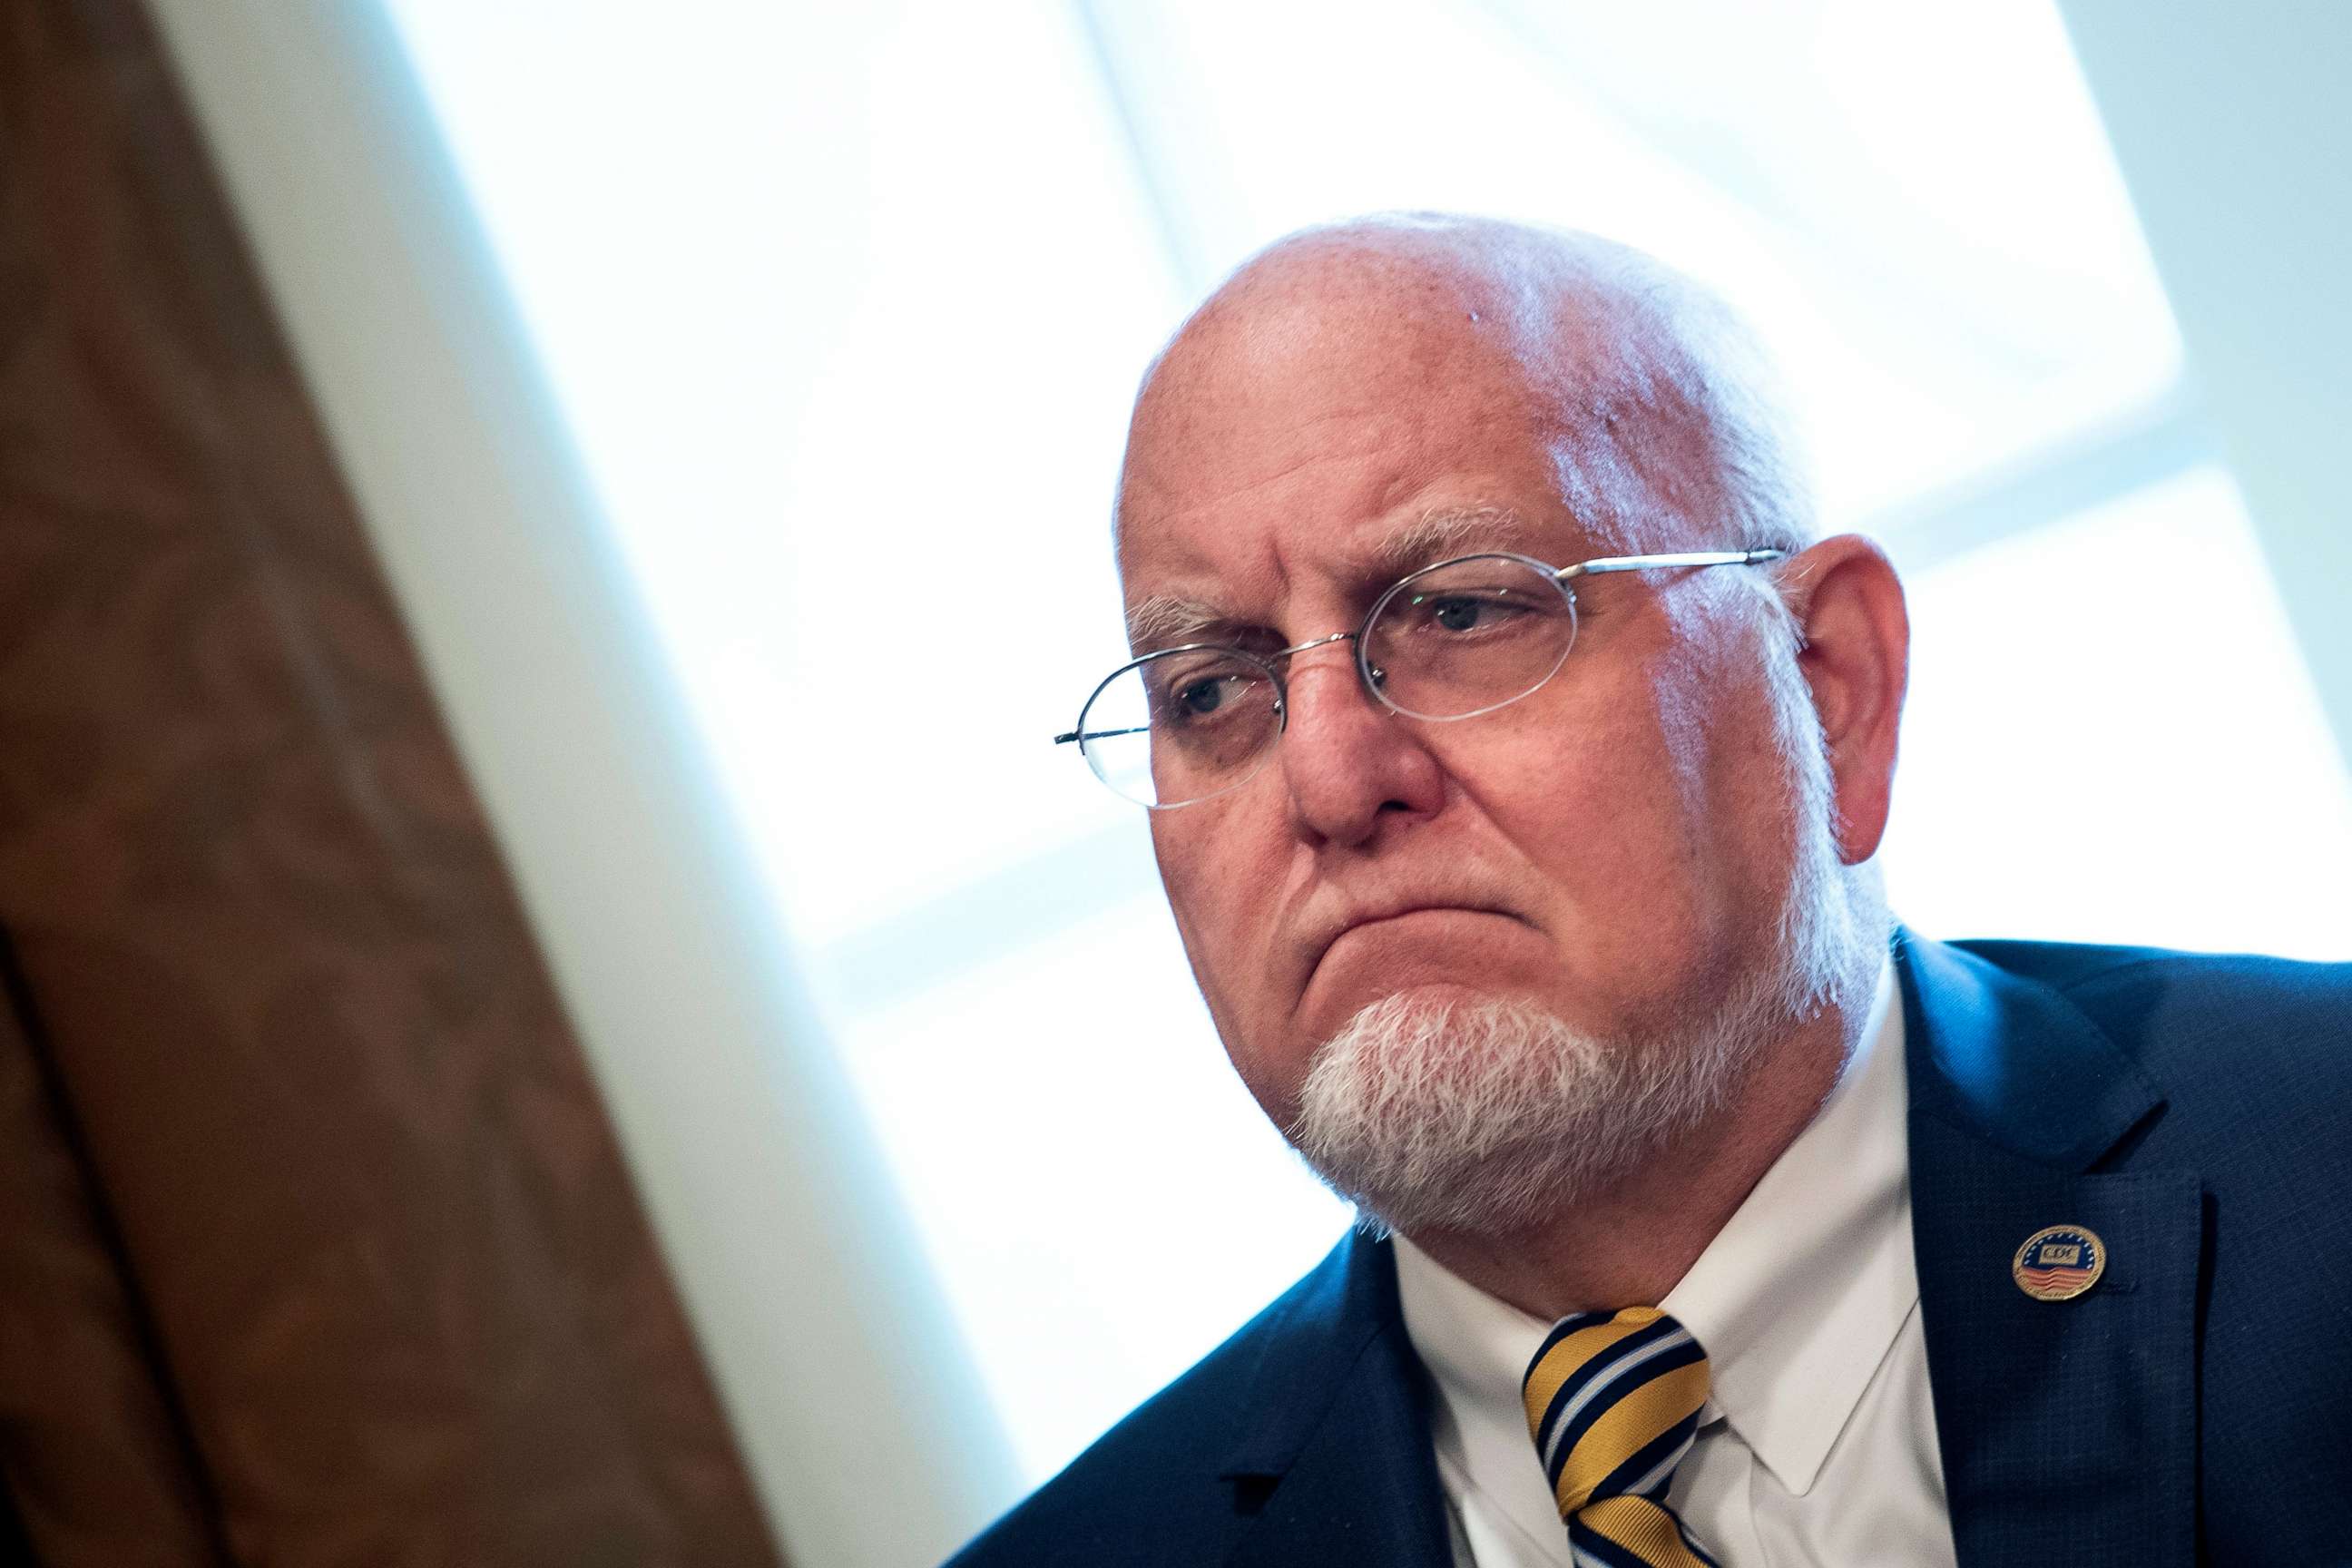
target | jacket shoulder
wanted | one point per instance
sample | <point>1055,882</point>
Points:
<point>2245,1047</point>
<point>2161,1005</point>
<point>1152,1490</point>
<point>2094,967</point>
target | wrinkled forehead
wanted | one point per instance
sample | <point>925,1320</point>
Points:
<point>1184,594</point>
<point>1352,434</point>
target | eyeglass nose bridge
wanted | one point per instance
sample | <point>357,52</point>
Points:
<point>1315,643</point>
<point>1367,672</point>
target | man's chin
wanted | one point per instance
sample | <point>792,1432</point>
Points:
<point>1425,1000</point>
<point>1438,1108</point>
<point>1482,1115</point>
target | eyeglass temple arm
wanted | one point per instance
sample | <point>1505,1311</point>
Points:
<point>1654,563</point>
<point>1099,734</point>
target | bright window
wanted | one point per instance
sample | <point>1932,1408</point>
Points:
<point>846,305</point>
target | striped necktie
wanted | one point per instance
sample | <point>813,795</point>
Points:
<point>1612,1403</point>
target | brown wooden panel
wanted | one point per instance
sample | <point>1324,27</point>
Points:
<point>95,1458</point>
<point>364,1186</point>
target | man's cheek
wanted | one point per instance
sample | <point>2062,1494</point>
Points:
<point>1207,946</point>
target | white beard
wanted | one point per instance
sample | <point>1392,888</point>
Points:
<point>1485,1117</point>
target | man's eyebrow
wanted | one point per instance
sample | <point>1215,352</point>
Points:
<point>1165,620</point>
<point>1162,620</point>
<point>1448,531</point>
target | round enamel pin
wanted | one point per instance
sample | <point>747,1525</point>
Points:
<point>2059,1263</point>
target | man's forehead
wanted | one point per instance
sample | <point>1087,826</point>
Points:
<point>1268,374</point>
<point>1384,353</point>
<point>1356,426</point>
<point>1381,327</point>
<point>1168,606</point>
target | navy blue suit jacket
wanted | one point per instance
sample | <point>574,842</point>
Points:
<point>2194,1406</point>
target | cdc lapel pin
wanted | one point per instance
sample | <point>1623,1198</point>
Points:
<point>2059,1263</point>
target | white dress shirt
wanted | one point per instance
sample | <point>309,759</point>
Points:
<point>1817,1444</point>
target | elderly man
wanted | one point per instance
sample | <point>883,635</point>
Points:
<point>1516,762</point>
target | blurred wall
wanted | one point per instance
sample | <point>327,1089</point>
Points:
<point>2230,126</point>
<point>316,1246</point>
<point>787,1239</point>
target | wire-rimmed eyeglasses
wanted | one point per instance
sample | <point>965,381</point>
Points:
<point>1451,641</point>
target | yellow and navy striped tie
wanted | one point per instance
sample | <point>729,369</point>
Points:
<point>1612,1403</point>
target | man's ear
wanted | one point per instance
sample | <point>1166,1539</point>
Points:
<point>1856,656</point>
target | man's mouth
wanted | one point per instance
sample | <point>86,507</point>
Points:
<point>1371,921</point>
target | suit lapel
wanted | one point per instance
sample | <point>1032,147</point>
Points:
<point>2066,1428</point>
<point>1334,1466</point>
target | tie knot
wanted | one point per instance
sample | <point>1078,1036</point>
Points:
<point>1612,1403</point>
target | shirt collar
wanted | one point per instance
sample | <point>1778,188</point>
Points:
<point>1796,1300</point>
<point>1801,1293</point>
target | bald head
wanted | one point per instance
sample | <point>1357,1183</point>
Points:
<point>1646,396</point>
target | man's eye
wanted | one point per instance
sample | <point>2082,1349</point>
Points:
<point>1470,612</point>
<point>1200,697</point>
<point>1203,695</point>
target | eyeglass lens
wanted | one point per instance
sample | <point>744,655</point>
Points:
<point>1458,639</point>
<point>1182,726</point>
<point>1469,635</point>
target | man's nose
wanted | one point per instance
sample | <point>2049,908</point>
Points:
<point>1351,764</point>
